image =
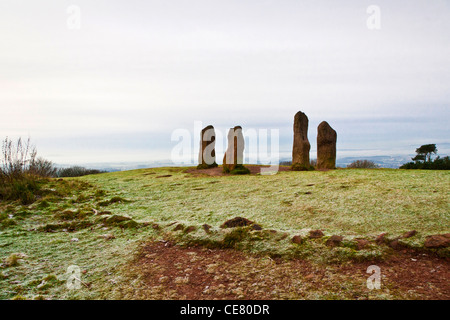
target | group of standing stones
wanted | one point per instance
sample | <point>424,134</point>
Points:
<point>234,155</point>
<point>326,145</point>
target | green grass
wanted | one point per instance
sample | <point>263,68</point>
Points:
<point>61,229</point>
<point>358,202</point>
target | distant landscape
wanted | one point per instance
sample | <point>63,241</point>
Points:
<point>383,161</point>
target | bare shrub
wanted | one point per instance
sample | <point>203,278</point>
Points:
<point>16,158</point>
<point>42,168</point>
<point>363,164</point>
<point>76,171</point>
<point>21,171</point>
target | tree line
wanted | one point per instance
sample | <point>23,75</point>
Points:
<point>424,159</point>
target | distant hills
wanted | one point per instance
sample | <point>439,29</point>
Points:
<point>383,161</point>
<point>392,162</point>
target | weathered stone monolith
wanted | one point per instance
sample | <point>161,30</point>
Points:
<point>234,156</point>
<point>301,147</point>
<point>207,153</point>
<point>326,146</point>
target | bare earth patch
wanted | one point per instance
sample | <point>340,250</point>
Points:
<point>428,276</point>
<point>169,271</point>
<point>218,171</point>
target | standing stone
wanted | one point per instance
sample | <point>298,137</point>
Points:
<point>234,156</point>
<point>326,146</point>
<point>301,147</point>
<point>207,153</point>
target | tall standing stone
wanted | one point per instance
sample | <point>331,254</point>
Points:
<point>234,156</point>
<point>207,153</point>
<point>326,146</point>
<point>301,147</point>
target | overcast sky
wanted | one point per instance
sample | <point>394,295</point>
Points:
<point>116,88</point>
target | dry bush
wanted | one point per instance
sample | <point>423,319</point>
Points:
<point>363,164</point>
<point>76,171</point>
<point>21,171</point>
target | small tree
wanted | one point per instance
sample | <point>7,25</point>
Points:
<point>424,152</point>
<point>423,159</point>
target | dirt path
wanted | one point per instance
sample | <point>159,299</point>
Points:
<point>172,272</point>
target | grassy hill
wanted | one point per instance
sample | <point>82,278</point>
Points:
<point>101,223</point>
<point>353,202</point>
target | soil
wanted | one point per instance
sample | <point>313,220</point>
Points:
<point>428,276</point>
<point>236,222</point>
<point>201,273</point>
